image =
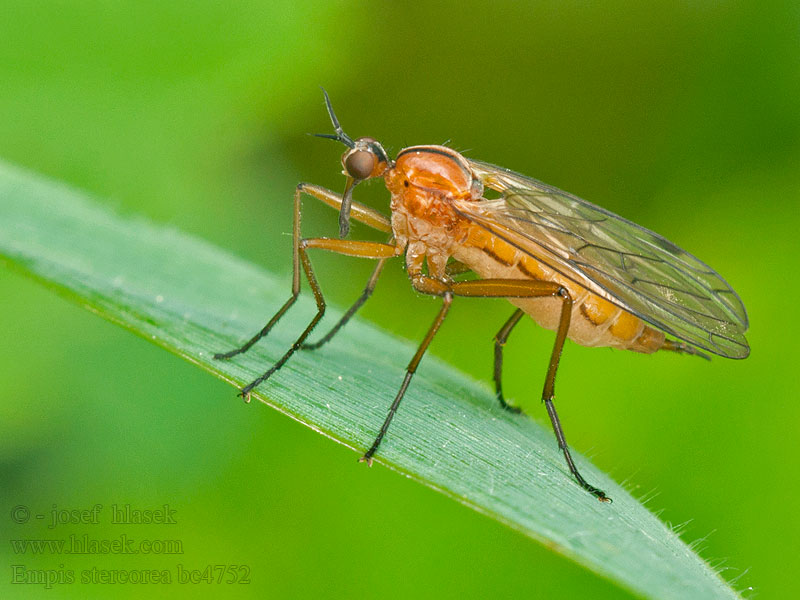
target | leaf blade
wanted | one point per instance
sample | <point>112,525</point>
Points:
<point>194,299</point>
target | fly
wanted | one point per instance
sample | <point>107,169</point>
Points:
<point>573,267</point>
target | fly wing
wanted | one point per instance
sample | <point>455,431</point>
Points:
<point>630,266</point>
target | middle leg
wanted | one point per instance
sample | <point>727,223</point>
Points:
<point>524,288</point>
<point>500,341</point>
<point>346,247</point>
<point>370,287</point>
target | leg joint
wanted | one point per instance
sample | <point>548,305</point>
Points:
<point>566,297</point>
<point>431,286</point>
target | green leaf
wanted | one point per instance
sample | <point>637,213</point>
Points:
<point>450,434</point>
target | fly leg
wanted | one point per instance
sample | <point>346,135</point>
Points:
<point>300,259</point>
<point>549,393</point>
<point>498,288</point>
<point>410,370</point>
<point>453,268</point>
<point>373,280</point>
<point>499,342</point>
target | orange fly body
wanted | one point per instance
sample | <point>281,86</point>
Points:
<point>573,267</point>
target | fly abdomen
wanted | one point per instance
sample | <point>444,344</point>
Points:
<point>595,322</point>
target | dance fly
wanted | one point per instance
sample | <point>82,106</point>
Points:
<point>572,266</point>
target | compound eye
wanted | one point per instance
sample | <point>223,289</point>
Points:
<point>360,164</point>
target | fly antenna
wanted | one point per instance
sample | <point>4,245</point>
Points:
<point>340,136</point>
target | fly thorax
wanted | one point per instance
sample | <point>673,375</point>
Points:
<point>424,181</point>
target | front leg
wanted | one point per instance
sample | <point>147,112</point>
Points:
<point>300,260</point>
<point>358,211</point>
<point>374,250</point>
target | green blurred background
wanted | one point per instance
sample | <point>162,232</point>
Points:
<point>680,116</point>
